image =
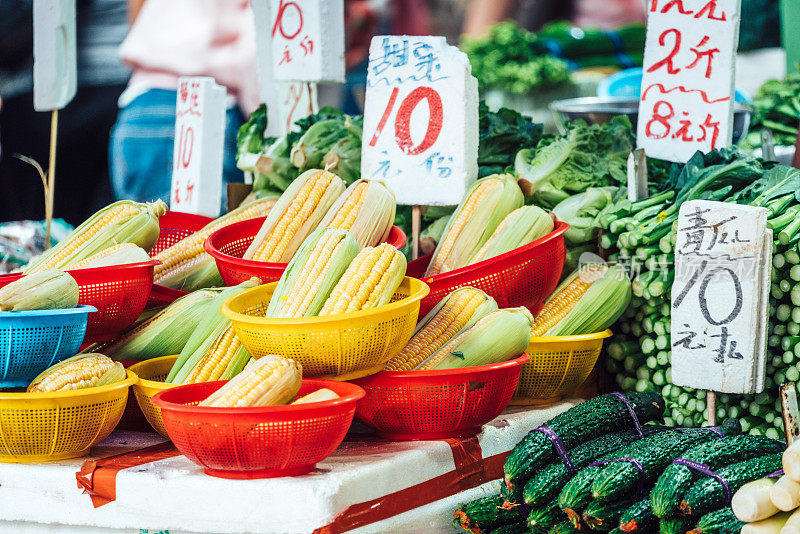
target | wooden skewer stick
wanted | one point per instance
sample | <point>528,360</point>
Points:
<point>50,187</point>
<point>711,408</point>
<point>416,225</point>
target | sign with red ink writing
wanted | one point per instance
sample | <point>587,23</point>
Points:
<point>296,100</point>
<point>267,88</point>
<point>723,257</point>
<point>687,84</point>
<point>55,71</point>
<point>308,40</point>
<point>420,120</point>
<point>199,139</point>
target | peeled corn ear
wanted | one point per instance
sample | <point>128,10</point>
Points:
<point>295,215</point>
<point>79,372</point>
<point>456,312</point>
<point>187,266</point>
<point>121,222</point>
<point>269,381</point>
<point>370,281</point>
<point>122,254</point>
<point>320,395</point>
<point>522,226</point>
<point>313,273</point>
<point>49,289</point>
<point>366,209</point>
<point>590,300</point>
<point>497,337</point>
<point>484,207</point>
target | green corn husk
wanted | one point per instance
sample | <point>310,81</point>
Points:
<point>335,267</point>
<point>522,226</point>
<point>50,289</point>
<point>375,215</point>
<point>497,337</point>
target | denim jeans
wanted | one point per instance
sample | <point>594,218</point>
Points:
<point>142,144</point>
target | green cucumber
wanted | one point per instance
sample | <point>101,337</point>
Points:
<point>677,479</point>
<point>638,517</point>
<point>653,453</point>
<point>707,495</point>
<point>542,518</point>
<point>513,528</point>
<point>720,522</point>
<point>577,493</point>
<point>586,421</point>
<point>565,527</point>
<point>605,516</point>
<point>487,513</point>
<point>675,525</point>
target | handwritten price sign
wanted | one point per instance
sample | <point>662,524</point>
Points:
<point>420,120</point>
<point>199,138</point>
<point>308,40</point>
<point>720,295</point>
<point>687,86</point>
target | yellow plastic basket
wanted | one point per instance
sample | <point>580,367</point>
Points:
<point>341,347</point>
<point>558,366</point>
<point>38,427</point>
<point>151,375</point>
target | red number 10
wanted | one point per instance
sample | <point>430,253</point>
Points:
<point>185,147</point>
<point>402,122</point>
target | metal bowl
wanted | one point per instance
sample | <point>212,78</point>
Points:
<point>599,110</point>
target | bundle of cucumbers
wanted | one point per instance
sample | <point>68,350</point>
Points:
<point>615,474</point>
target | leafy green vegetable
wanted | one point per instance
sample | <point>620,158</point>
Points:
<point>777,107</point>
<point>500,135</point>
<point>250,138</point>
<point>580,212</point>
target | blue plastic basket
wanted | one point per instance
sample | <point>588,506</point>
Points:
<point>628,83</point>
<point>32,341</point>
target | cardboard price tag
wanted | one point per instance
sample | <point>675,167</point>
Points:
<point>308,40</point>
<point>55,72</point>
<point>687,84</point>
<point>199,140</point>
<point>420,120</point>
<point>723,257</point>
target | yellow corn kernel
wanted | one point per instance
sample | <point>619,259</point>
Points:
<point>565,297</point>
<point>366,209</point>
<point>213,365</point>
<point>457,311</point>
<point>79,372</point>
<point>49,289</point>
<point>121,254</point>
<point>268,381</point>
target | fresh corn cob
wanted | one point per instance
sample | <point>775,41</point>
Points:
<point>366,210</point>
<point>456,312</point>
<point>166,332</point>
<point>121,222</point>
<point>268,381</point>
<point>320,395</point>
<point>370,281</point>
<point>497,337</point>
<point>295,215</point>
<point>588,301</point>
<point>49,289</point>
<point>484,207</point>
<point>79,372</point>
<point>522,226</point>
<point>212,352</point>
<point>121,254</point>
<point>313,273</point>
<point>187,266</point>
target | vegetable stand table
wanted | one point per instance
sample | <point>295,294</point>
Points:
<point>137,482</point>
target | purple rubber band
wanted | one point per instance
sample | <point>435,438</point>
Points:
<point>562,451</point>
<point>703,468</point>
<point>634,462</point>
<point>776,474</point>
<point>632,412</point>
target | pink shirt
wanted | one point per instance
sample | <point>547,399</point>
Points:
<point>608,14</point>
<point>173,38</point>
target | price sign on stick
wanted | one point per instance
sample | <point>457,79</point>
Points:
<point>307,40</point>
<point>267,92</point>
<point>719,299</point>
<point>199,139</point>
<point>295,101</point>
<point>54,51</point>
<point>687,84</point>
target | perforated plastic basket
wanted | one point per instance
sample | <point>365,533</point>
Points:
<point>227,245</point>
<point>450,403</point>
<point>270,441</point>
<point>36,427</point>
<point>32,341</point>
<point>558,366</point>
<point>342,346</point>
<point>152,374</point>
<point>523,277</point>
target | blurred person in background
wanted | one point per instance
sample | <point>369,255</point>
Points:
<point>82,183</point>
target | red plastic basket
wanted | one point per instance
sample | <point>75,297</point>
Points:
<point>523,277</point>
<point>227,245</point>
<point>173,226</point>
<point>270,441</point>
<point>423,405</point>
<point>119,293</point>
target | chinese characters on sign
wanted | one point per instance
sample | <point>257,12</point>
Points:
<point>55,71</point>
<point>687,84</point>
<point>307,40</point>
<point>720,295</point>
<point>197,156</point>
<point>420,120</point>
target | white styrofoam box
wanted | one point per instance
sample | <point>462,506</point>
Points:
<point>55,71</point>
<point>267,92</point>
